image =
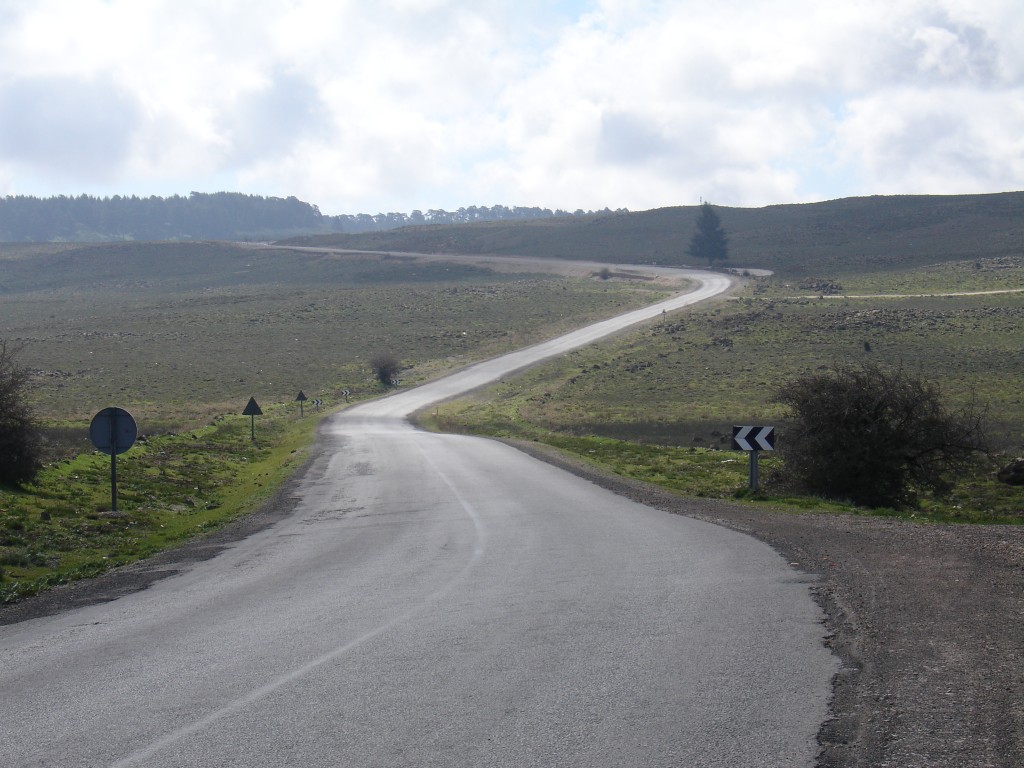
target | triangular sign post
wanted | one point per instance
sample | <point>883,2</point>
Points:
<point>300,399</point>
<point>252,410</point>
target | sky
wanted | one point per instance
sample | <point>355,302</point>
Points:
<point>402,105</point>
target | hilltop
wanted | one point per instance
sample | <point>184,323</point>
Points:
<point>835,237</point>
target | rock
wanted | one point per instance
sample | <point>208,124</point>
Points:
<point>1012,473</point>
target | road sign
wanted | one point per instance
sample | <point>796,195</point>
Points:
<point>300,399</point>
<point>113,431</point>
<point>252,410</point>
<point>753,438</point>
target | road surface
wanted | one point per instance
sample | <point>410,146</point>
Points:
<point>437,600</point>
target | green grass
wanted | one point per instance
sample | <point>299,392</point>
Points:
<point>170,489</point>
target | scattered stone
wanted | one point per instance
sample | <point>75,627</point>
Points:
<point>1012,473</point>
<point>821,286</point>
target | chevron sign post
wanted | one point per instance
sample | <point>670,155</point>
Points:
<point>752,440</point>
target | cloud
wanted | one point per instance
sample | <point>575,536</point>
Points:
<point>409,104</point>
<point>66,129</point>
<point>273,119</point>
<point>955,141</point>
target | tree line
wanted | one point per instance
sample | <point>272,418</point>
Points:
<point>216,216</point>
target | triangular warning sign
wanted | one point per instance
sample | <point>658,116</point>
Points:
<point>301,397</point>
<point>252,409</point>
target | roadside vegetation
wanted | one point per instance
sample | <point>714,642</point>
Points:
<point>876,436</point>
<point>19,434</point>
<point>171,487</point>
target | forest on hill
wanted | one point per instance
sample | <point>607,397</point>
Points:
<point>217,216</point>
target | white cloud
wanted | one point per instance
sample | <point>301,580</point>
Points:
<point>954,141</point>
<point>63,125</point>
<point>405,104</point>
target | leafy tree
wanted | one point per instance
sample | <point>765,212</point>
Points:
<point>874,436</point>
<point>19,439</point>
<point>385,367</point>
<point>709,242</point>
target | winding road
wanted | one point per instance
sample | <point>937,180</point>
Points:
<point>438,600</point>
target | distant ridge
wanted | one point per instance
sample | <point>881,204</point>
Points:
<point>827,238</point>
<point>801,239</point>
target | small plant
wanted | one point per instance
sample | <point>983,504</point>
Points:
<point>385,367</point>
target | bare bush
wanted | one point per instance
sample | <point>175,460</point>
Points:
<point>19,438</point>
<point>386,368</point>
<point>875,437</point>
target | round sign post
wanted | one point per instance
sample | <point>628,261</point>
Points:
<point>113,431</point>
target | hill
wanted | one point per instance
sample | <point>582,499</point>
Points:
<point>831,238</point>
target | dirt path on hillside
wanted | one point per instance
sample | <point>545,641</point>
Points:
<point>519,264</point>
<point>951,294</point>
<point>928,621</point>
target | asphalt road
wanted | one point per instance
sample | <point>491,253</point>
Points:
<point>437,600</point>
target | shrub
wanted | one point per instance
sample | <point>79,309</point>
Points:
<point>385,367</point>
<point>875,436</point>
<point>19,438</point>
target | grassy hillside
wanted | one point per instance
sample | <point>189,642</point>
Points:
<point>171,330</point>
<point>838,237</point>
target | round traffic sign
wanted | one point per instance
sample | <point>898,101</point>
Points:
<point>113,431</point>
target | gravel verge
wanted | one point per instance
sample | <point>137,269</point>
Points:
<point>927,619</point>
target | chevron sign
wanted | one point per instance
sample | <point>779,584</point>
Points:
<point>753,438</point>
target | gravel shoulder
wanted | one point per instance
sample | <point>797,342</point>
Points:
<point>927,619</point>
